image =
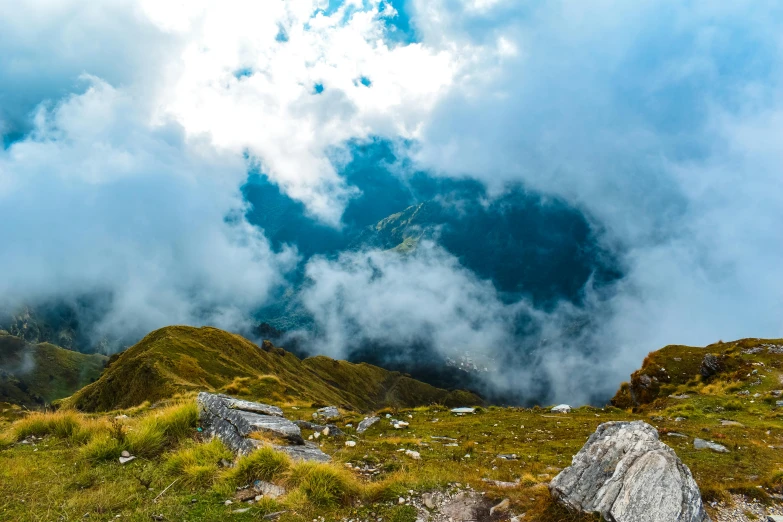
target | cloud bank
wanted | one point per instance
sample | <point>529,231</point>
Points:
<point>128,130</point>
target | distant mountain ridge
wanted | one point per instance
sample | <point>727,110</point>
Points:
<point>33,375</point>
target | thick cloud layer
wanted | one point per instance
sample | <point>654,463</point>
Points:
<point>128,128</point>
<point>96,202</point>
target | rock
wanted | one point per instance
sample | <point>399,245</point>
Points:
<point>774,518</point>
<point>398,425</point>
<point>463,411</point>
<point>245,495</point>
<point>626,474</point>
<point>506,456</point>
<point>125,454</point>
<point>241,510</point>
<point>709,366</point>
<point>328,429</point>
<point>500,483</point>
<point>350,443</point>
<point>428,500</point>
<point>415,455</point>
<point>561,408</point>
<point>465,506</point>
<point>329,412</point>
<point>366,423</point>
<point>308,451</point>
<point>233,426</point>
<point>267,489</point>
<point>500,507</point>
<point>675,434</point>
<point>124,460</point>
<point>703,444</point>
<point>681,397</point>
<point>731,423</point>
<point>253,407</point>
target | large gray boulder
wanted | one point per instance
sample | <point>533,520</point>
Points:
<point>223,418</point>
<point>626,474</point>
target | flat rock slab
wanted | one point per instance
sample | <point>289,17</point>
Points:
<point>366,423</point>
<point>254,407</point>
<point>308,451</point>
<point>626,474</point>
<point>703,444</point>
<point>233,426</point>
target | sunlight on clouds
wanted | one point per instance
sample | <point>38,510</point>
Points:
<point>271,110</point>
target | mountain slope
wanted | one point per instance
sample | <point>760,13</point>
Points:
<point>182,359</point>
<point>35,374</point>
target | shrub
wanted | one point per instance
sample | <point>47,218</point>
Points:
<point>102,448</point>
<point>263,464</point>
<point>154,433</point>
<point>66,425</point>
<point>323,484</point>
<point>197,464</point>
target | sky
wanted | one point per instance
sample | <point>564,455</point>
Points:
<point>129,129</point>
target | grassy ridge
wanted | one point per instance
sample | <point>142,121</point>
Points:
<point>37,374</point>
<point>182,359</point>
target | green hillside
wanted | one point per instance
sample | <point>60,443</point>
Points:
<point>37,374</point>
<point>182,359</point>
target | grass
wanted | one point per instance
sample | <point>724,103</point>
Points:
<point>264,464</point>
<point>324,485</point>
<point>74,469</point>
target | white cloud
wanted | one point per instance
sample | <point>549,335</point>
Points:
<point>97,199</point>
<point>661,120</point>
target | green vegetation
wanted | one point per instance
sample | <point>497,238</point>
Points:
<point>182,360</point>
<point>37,374</point>
<point>71,468</point>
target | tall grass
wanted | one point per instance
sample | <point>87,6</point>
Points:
<point>156,432</point>
<point>324,485</point>
<point>263,464</point>
<point>67,425</point>
<point>197,464</point>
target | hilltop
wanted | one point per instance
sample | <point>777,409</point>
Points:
<point>37,374</point>
<point>182,359</point>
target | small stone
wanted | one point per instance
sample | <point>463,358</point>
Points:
<point>731,423</point>
<point>561,408</point>
<point>125,453</point>
<point>350,443</point>
<point>429,502</point>
<point>401,500</point>
<point>463,410</point>
<point>227,503</point>
<point>415,455</point>
<point>329,412</point>
<point>124,460</point>
<point>366,423</point>
<point>703,444</point>
<point>500,507</point>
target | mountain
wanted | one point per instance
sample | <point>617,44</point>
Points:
<point>37,374</point>
<point>183,359</point>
